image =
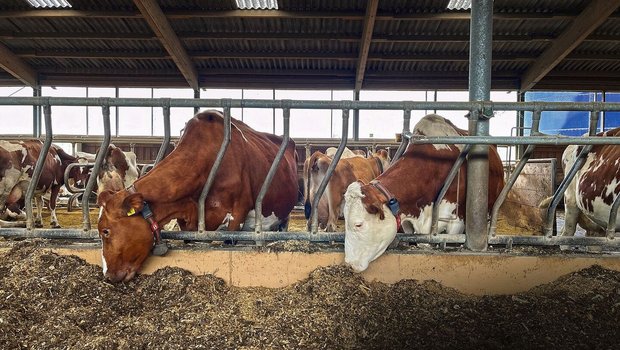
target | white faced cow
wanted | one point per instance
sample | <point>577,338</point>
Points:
<point>371,212</point>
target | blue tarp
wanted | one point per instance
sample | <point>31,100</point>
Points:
<point>569,123</point>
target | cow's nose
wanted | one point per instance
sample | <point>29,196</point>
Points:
<point>115,277</point>
<point>357,266</point>
<point>359,224</point>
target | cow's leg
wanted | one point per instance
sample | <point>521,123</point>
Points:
<point>571,211</point>
<point>333,207</point>
<point>52,207</point>
<point>38,219</point>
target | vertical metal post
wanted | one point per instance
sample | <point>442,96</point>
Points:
<point>356,118</point>
<point>481,32</point>
<point>166,142</point>
<point>90,185</point>
<point>258,207</point>
<point>215,167</point>
<point>403,140</point>
<point>36,114</point>
<point>196,95</point>
<point>38,168</point>
<point>117,116</point>
<point>314,215</point>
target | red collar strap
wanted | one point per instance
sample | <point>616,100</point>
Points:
<point>392,202</point>
<point>147,214</point>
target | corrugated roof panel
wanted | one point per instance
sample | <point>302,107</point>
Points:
<point>249,46</point>
<point>267,25</point>
<point>611,47</point>
<point>409,27</point>
<point>64,45</point>
<point>111,64</point>
<point>426,48</point>
<point>271,64</point>
<point>81,24</point>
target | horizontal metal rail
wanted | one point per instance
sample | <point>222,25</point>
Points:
<point>511,140</point>
<point>306,104</point>
<point>337,237</point>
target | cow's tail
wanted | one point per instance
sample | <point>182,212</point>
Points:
<point>544,204</point>
<point>314,165</point>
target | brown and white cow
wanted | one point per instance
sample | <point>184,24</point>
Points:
<point>591,193</point>
<point>414,180</point>
<point>350,168</point>
<point>17,162</point>
<point>118,171</point>
<point>173,188</point>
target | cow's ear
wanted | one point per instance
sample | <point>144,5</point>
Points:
<point>104,197</point>
<point>376,208</point>
<point>133,203</point>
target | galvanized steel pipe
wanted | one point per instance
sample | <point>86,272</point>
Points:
<point>481,32</point>
<point>404,140</point>
<point>314,214</point>
<point>454,171</point>
<point>38,168</point>
<point>214,168</point>
<point>310,104</point>
<point>258,208</point>
<point>103,150</point>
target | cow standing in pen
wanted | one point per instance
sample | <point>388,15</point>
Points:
<point>17,162</point>
<point>591,193</point>
<point>403,195</point>
<point>349,169</point>
<point>130,219</point>
<point>118,171</point>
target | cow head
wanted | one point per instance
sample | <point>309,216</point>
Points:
<point>126,236</point>
<point>370,226</point>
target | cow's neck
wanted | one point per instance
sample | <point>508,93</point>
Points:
<point>184,210</point>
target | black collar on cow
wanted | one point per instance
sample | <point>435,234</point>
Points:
<point>392,202</point>
<point>159,247</point>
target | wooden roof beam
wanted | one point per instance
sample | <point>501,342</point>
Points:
<point>590,18</point>
<point>17,67</point>
<point>162,28</point>
<point>369,25</point>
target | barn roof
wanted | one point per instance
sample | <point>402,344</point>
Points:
<point>335,44</point>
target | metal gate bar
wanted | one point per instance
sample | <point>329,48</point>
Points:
<point>38,168</point>
<point>258,207</point>
<point>216,165</point>
<point>314,214</point>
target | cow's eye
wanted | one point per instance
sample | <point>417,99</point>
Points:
<point>106,232</point>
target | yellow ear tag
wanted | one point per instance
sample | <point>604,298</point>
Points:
<point>131,212</point>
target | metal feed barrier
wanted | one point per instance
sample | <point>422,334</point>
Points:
<point>478,236</point>
<point>609,242</point>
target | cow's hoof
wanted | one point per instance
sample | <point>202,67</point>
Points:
<point>55,225</point>
<point>38,225</point>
